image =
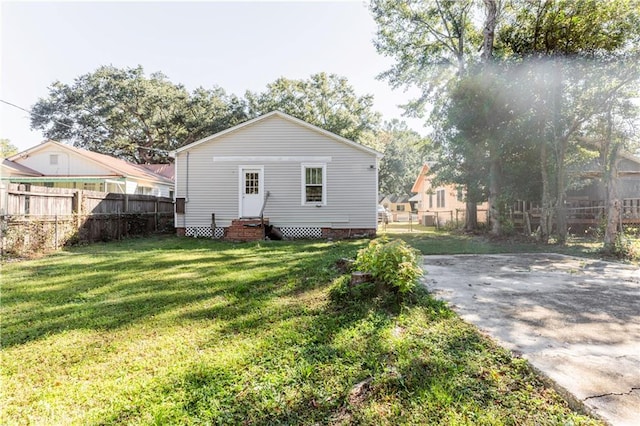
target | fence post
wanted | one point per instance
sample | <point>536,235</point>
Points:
<point>76,208</point>
<point>157,219</point>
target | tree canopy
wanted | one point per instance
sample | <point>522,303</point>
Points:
<point>404,154</point>
<point>325,100</point>
<point>124,113</point>
<point>127,114</point>
<point>7,149</point>
<point>511,83</point>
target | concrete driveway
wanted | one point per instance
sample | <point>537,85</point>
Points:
<point>577,321</point>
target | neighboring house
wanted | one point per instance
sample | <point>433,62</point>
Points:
<point>276,170</point>
<point>400,206</point>
<point>63,166</point>
<point>440,204</point>
<point>592,191</point>
<point>396,203</point>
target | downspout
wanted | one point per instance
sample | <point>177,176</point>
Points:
<point>187,185</point>
<point>186,195</point>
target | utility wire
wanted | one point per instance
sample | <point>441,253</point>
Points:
<point>71,127</point>
<point>34,113</point>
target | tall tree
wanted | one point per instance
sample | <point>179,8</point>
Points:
<point>613,132</point>
<point>325,100</point>
<point>404,154</point>
<point>569,36</point>
<point>124,113</point>
<point>495,143</point>
<point>433,44</point>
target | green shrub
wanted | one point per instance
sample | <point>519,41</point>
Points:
<point>392,263</point>
<point>625,248</point>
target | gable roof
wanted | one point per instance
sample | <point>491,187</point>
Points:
<point>423,171</point>
<point>18,169</point>
<point>118,166</point>
<point>284,116</point>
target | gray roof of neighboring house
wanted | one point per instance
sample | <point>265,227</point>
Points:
<point>394,198</point>
<point>18,168</point>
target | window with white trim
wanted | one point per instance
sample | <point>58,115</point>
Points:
<point>314,187</point>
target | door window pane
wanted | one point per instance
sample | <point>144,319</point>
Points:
<point>251,183</point>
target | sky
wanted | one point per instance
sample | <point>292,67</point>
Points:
<point>238,46</point>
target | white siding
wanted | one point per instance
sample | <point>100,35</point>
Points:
<point>213,186</point>
<point>69,164</point>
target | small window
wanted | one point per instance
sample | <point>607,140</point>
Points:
<point>313,184</point>
<point>53,159</point>
<point>430,201</point>
<point>459,194</point>
<point>440,198</point>
<point>400,207</point>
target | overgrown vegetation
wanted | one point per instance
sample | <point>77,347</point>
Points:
<point>391,263</point>
<point>624,248</point>
<point>188,331</point>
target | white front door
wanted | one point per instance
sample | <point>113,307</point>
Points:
<point>251,190</point>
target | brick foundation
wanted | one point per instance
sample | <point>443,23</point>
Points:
<point>242,230</point>
<point>343,234</point>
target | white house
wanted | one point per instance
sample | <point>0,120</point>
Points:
<point>276,170</point>
<point>63,166</point>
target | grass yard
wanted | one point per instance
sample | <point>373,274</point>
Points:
<point>431,241</point>
<point>186,331</point>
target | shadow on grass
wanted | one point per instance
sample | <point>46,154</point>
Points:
<point>303,353</point>
<point>107,286</point>
<point>307,376</point>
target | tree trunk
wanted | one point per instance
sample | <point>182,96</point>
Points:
<point>561,196</point>
<point>609,158</point>
<point>612,206</point>
<point>471,215</point>
<point>561,142</point>
<point>494,195</point>
<point>546,213</point>
<point>489,29</point>
<point>494,153</point>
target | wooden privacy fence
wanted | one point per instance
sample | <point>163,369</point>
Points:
<point>38,219</point>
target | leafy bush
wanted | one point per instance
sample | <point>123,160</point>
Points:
<point>625,248</point>
<point>392,263</point>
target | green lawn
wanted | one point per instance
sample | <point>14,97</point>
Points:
<point>186,331</point>
<point>431,241</point>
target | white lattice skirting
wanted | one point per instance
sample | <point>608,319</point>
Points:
<point>296,233</point>
<point>288,232</point>
<point>203,232</point>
